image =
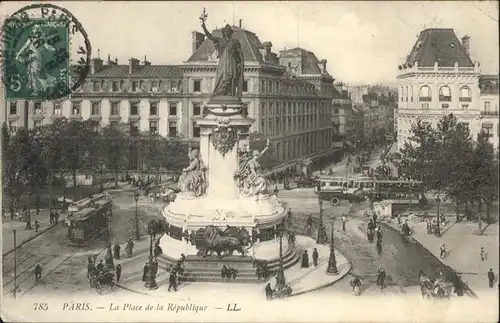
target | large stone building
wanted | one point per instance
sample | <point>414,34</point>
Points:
<point>342,118</point>
<point>289,95</point>
<point>439,78</point>
<point>377,104</point>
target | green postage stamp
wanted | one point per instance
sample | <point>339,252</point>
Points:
<point>36,59</point>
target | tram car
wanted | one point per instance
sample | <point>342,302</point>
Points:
<point>90,221</point>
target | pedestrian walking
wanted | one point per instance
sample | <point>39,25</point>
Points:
<point>37,225</point>
<point>381,275</point>
<point>379,235</point>
<point>315,257</point>
<point>118,272</point>
<point>38,273</point>
<point>172,281</point>
<point>491,278</point>
<point>483,254</point>
<point>129,248</point>
<point>145,271</point>
<point>356,286</point>
<point>374,216</point>
<point>343,219</point>
<point>289,214</point>
<point>305,260</point>
<point>442,251</point>
<point>117,251</point>
<point>269,292</point>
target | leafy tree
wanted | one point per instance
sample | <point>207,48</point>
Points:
<point>484,179</point>
<point>114,148</point>
<point>439,157</point>
<point>154,152</point>
<point>177,154</point>
<point>79,141</point>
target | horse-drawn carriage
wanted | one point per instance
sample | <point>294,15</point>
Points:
<point>98,280</point>
<point>223,242</point>
<point>435,288</point>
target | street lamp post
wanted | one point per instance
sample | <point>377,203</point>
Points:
<point>150,279</point>
<point>332,261</point>
<point>28,216</point>
<point>438,228</point>
<point>101,166</point>
<point>321,236</point>
<point>137,233</point>
<point>280,279</point>
<point>109,255</point>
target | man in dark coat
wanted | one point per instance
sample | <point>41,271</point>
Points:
<point>100,266</point>
<point>118,272</point>
<point>315,257</point>
<point>38,273</point>
<point>172,281</point>
<point>145,272</point>
<point>305,260</point>
<point>491,278</point>
<point>375,219</point>
<point>269,292</point>
<point>381,277</point>
<point>117,251</point>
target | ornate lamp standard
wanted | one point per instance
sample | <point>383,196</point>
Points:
<point>150,279</point>
<point>321,237</point>
<point>101,167</point>
<point>280,279</point>
<point>438,228</point>
<point>28,215</point>
<point>137,233</point>
<point>332,262</point>
<point>109,256</point>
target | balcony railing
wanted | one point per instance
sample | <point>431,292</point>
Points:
<point>425,99</point>
<point>465,99</point>
<point>489,113</point>
<point>445,98</point>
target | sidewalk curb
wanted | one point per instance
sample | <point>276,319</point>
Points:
<point>31,238</point>
<point>342,276</point>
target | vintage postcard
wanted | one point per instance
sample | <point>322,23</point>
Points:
<point>249,161</point>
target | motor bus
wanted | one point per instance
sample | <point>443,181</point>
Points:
<point>354,189</point>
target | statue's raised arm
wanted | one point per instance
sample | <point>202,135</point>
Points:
<point>203,18</point>
<point>263,151</point>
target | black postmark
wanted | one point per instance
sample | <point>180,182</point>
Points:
<point>45,53</point>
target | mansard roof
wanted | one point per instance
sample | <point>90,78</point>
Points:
<point>310,63</point>
<point>145,71</point>
<point>250,45</point>
<point>438,45</point>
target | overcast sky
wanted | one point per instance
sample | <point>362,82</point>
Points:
<point>362,41</point>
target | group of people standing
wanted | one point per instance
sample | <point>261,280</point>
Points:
<point>228,273</point>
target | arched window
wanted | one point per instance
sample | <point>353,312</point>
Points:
<point>425,94</point>
<point>445,93</point>
<point>465,94</point>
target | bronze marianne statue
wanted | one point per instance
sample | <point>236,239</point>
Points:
<point>249,174</point>
<point>229,77</point>
<point>193,178</point>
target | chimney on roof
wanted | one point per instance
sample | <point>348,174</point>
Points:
<point>110,62</point>
<point>132,64</point>
<point>198,39</point>
<point>323,65</point>
<point>239,25</point>
<point>95,65</point>
<point>466,44</point>
<point>146,62</point>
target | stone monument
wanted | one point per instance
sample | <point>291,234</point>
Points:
<point>224,205</point>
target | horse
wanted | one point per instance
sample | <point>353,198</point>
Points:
<point>215,241</point>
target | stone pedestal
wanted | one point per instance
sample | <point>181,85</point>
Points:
<point>224,136</point>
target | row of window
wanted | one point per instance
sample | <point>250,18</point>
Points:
<point>291,108</point>
<point>136,86</point>
<point>425,94</point>
<point>279,86</point>
<point>303,145</point>
<point>76,108</point>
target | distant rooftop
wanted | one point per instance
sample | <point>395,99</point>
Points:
<point>145,71</point>
<point>438,45</point>
<point>488,84</point>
